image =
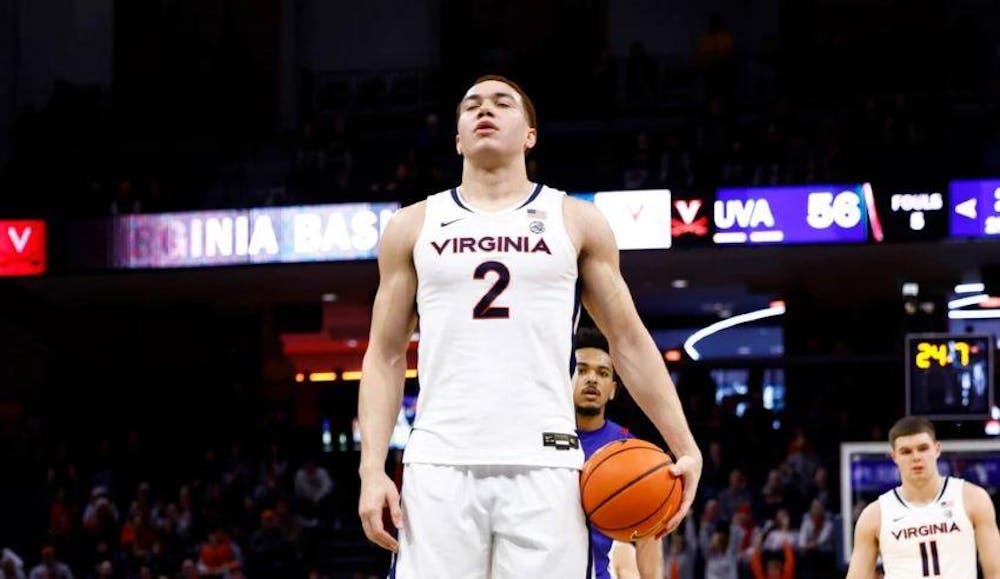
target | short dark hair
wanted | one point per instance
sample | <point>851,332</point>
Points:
<point>910,425</point>
<point>590,337</point>
<point>529,106</point>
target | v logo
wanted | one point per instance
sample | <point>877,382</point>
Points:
<point>688,209</point>
<point>19,241</point>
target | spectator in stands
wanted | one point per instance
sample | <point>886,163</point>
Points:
<point>801,461</point>
<point>640,170</point>
<point>716,471</point>
<point>50,567</point>
<point>189,570</point>
<point>100,517</point>
<point>771,157</point>
<point>269,554</point>
<point>816,540</point>
<point>137,535</point>
<point>268,491</point>
<point>312,487</point>
<point>710,520</point>
<point>721,552</point>
<point>288,523</point>
<point>185,514</point>
<point>772,565</point>
<point>275,462</point>
<point>680,553</point>
<point>772,496</point>
<point>676,164</point>
<point>775,533</point>
<point>61,515</point>
<point>218,555</point>
<point>735,495</point>
<point>125,201</point>
<point>819,488</point>
<point>104,570</point>
<point>11,566</point>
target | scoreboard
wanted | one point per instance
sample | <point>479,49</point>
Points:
<point>949,376</point>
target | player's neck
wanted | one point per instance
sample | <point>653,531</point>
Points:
<point>589,423</point>
<point>494,188</point>
<point>922,492</point>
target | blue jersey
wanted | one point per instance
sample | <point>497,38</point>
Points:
<point>592,440</point>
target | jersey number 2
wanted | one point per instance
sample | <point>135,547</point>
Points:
<point>929,559</point>
<point>485,309</point>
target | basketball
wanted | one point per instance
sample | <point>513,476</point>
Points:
<point>628,490</point>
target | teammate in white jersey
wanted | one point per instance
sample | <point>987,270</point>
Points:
<point>493,269</point>
<point>929,526</point>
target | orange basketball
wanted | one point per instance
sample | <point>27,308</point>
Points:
<point>628,490</point>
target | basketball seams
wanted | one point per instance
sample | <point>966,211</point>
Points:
<point>666,500</point>
<point>625,486</point>
<point>625,443</point>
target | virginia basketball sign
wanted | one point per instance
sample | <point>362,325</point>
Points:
<point>267,235</point>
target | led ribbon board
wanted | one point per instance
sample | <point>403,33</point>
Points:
<point>248,236</point>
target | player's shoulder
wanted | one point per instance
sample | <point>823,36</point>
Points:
<point>404,226</point>
<point>586,224</point>
<point>618,430</point>
<point>870,519</point>
<point>975,497</point>
<point>409,216</point>
<point>575,208</point>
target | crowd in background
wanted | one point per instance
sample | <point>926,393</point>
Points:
<point>691,122</point>
<point>259,494</point>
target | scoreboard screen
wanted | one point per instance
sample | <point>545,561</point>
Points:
<point>791,214</point>
<point>949,376</point>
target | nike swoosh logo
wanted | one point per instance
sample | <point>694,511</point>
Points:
<point>897,519</point>
<point>447,223</point>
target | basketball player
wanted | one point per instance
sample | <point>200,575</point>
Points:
<point>594,385</point>
<point>929,526</point>
<point>491,482</point>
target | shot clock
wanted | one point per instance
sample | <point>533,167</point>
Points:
<point>949,376</point>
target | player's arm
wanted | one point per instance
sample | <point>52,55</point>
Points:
<point>624,563</point>
<point>984,521</point>
<point>865,551</point>
<point>383,370</point>
<point>633,351</point>
<point>649,557</point>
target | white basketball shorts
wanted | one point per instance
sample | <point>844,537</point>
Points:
<point>491,522</point>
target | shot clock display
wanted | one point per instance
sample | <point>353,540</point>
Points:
<point>949,376</point>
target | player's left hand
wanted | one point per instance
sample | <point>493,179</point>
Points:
<point>687,467</point>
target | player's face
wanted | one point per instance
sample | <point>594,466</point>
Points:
<point>492,122</point>
<point>916,456</point>
<point>593,380</point>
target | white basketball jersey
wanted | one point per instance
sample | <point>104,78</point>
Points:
<point>933,540</point>
<point>497,301</point>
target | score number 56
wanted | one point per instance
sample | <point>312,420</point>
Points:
<point>827,209</point>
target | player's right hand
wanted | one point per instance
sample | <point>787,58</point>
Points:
<point>378,492</point>
<point>689,467</point>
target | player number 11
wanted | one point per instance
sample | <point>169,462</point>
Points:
<point>929,559</point>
